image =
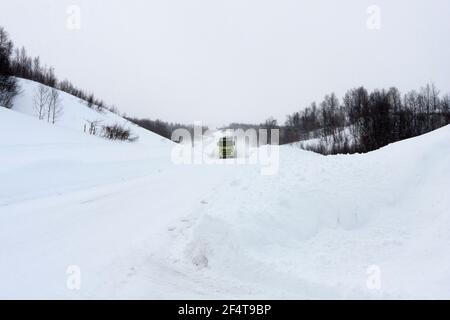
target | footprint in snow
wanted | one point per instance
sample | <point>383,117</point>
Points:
<point>131,272</point>
<point>200,261</point>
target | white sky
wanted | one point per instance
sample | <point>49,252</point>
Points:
<point>233,60</point>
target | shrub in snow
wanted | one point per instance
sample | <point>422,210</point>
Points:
<point>117,132</point>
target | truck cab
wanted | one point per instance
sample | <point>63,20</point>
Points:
<point>227,147</point>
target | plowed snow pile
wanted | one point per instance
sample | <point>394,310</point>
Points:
<point>138,226</point>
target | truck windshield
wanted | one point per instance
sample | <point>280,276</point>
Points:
<point>226,142</point>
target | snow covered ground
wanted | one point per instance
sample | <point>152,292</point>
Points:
<point>138,226</point>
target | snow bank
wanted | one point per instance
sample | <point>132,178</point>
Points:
<point>314,230</point>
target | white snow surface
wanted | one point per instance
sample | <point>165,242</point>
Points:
<point>140,227</point>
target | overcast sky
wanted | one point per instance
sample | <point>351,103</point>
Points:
<point>219,61</point>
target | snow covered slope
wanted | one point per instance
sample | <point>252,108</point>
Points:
<point>37,158</point>
<point>138,226</point>
<point>76,113</point>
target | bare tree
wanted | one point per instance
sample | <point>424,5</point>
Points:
<point>41,100</point>
<point>90,101</point>
<point>93,126</point>
<point>55,107</point>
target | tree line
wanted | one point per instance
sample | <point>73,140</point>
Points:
<point>365,121</point>
<point>163,128</point>
<point>15,62</point>
<point>8,84</point>
<point>361,121</point>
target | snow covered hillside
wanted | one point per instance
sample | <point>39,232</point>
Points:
<point>138,226</point>
<point>76,114</point>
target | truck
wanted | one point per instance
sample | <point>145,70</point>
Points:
<point>227,147</point>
